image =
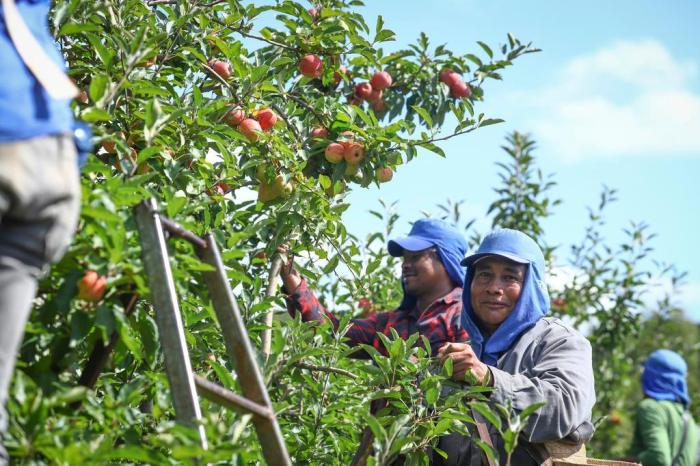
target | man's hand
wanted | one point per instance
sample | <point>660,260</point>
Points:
<point>289,275</point>
<point>464,360</point>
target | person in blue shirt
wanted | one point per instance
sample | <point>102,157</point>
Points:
<point>39,178</point>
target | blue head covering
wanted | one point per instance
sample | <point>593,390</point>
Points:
<point>430,232</point>
<point>532,304</point>
<point>664,377</point>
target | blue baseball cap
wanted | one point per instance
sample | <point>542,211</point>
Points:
<point>425,233</point>
<point>511,244</point>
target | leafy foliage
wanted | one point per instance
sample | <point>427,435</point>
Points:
<point>160,107</point>
<point>160,117</point>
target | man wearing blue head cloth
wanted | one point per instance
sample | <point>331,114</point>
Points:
<point>526,357</point>
<point>665,433</point>
<point>432,282</point>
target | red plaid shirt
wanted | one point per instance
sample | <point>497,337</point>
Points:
<point>441,322</point>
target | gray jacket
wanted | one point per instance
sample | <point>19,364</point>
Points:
<point>550,363</point>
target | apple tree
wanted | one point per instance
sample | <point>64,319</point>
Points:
<point>250,121</point>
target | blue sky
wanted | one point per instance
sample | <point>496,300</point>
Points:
<point>613,98</point>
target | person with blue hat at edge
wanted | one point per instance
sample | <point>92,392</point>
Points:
<point>431,278</point>
<point>665,433</point>
<point>39,176</point>
<point>524,356</point>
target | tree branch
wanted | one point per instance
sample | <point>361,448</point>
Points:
<point>271,290</point>
<point>315,367</point>
<point>240,31</point>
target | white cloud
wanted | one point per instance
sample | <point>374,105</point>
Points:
<point>630,99</point>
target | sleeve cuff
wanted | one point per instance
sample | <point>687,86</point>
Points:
<point>502,386</point>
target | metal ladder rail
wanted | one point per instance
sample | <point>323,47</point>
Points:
<point>183,382</point>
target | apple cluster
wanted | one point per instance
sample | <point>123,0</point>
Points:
<point>352,151</point>
<point>458,88</point>
<point>372,91</point>
<point>269,190</point>
<point>263,120</point>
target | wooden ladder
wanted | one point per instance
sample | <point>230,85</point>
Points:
<point>184,384</point>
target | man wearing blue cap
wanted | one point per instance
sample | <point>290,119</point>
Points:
<point>527,358</point>
<point>431,277</point>
<point>665,433</point>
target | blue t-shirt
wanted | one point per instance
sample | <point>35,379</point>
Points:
<point>26,110</point>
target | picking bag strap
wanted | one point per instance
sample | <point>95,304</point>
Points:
<point>484,435</point>
<point>57,84</point>
<point>686,420</point>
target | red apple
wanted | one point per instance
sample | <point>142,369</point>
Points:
<point>334,152</point>
<point>346,137</point>
<point>212,44</point>
<point>461,90</point>
<point>354,99</point>
<point>378,106</point>
<point>381,80</point>
<point>338,75</point>
<point>375,96</point>
<point>250,129</point>
<point>354,153</point>
<point>221,68</point>
<point>363,90</point>
<point>311,66</point>
<point>313,12</point>
<point>267,118</point>
<point>320,133</point>
<point>83,97</point>
<point>364,302</point>
<point>91,287</point>
<point>109,146</point>
<point>234,116</point>
<point>222,188</point>
<point>453,79</point>
<point>149,63</point>
<point>448,75</point>
<point>384,174</point>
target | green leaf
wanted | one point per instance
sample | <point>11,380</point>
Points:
<point>486,413</point>
<point>98,87</point>
<point>176,203</point>
<point>490,121</point>
<point>447,367</point>
<point>332,264</point>
<point>486,48</point>
<point>424,115</point>
<point>489,450</point>
<point>385,35</point>
<point>525,413</point>
<point>74,28</point>
<point>92,114</point>
<point>431,395</point>
<point>474,59</point>
<point>324,181</point>
<point>433,148</point>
